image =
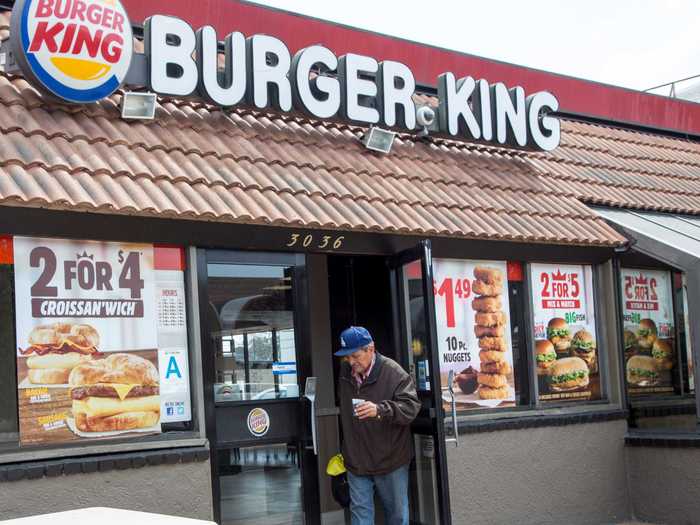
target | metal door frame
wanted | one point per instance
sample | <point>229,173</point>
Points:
<point>423,252</point>
<point>308,461</point>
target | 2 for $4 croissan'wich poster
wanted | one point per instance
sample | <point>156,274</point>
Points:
<point>101,339</point>
<point>566,351</point>
<point>473,331</point>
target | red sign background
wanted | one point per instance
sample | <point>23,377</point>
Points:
<point>576,96</point>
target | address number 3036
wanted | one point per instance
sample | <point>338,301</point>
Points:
<point>321,242</point>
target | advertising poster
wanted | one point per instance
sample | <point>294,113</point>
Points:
<point>647,314</point>
<point>566,350</point>
<point>101,339</point>
<point>473,332</point>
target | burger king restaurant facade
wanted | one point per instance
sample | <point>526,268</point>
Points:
<point>173,288</point>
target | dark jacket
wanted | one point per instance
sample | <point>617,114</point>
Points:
<point>379,445</point>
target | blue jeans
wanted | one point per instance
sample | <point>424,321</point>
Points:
<point>393,491</point>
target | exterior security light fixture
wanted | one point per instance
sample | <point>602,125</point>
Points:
<point>425,118</point>
<point>378,139</point>
<point>139,105</point>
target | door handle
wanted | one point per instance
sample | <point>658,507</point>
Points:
<point>453,404</point>
<point>310,394</point>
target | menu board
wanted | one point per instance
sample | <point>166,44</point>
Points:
<point>473,331</point>
<point>101,339</point>
<point>649,334</point>
<point>566,351</point>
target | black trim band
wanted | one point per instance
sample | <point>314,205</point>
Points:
<point>659,440</point>
<point>523,422</point>
<point>101,463</point>
<point>661,411</point>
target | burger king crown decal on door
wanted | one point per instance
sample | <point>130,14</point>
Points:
<point>76,50</point>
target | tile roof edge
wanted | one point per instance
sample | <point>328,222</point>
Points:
<point>90,209</point>
<point>634,207</point>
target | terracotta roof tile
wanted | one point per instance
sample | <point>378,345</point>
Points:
<point>626,168</point>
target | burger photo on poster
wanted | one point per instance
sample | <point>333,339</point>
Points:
<point>583,345</point>
<point>630,341</point>
<point>559,334</point>
<point>545,356</point>
<point>54,350</point>
<point>646,335</point>
<point>642,371</point>
<point>117,393</point>
<point>568,373</point>
<point>662,352</point>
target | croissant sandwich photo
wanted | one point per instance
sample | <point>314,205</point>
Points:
<point>54,350</point>
<point>119,392</point>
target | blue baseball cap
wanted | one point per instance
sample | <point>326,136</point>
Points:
<point>352,339</point>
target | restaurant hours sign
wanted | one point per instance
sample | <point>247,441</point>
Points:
<point>81,51</point>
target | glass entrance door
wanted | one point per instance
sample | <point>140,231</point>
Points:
<point>257,421</point>
<point>414,322</point>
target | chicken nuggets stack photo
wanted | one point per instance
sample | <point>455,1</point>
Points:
<point>489,328</point>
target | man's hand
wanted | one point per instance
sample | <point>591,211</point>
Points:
<point>366,410</point>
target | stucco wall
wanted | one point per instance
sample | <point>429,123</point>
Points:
<point>665,484</point>
<point>570,474</point>
<point>182,489</point>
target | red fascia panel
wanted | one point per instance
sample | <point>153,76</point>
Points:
<point>6,250</point>
<point>169,257</point>
<point>515,271</point>
<point>576,96</point>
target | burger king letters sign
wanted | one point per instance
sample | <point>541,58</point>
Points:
<point>76,50</point>
<point>81,51</point>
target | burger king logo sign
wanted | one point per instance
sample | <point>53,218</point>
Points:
<point>80,51</point>
<point>258,422</point>
<point>77,50</point>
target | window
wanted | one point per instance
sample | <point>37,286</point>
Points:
<point>566,355</point>
<point>477,336</point>
<point>252,327</point>
<point>94,341</point>
<point>657,358</point>
<point>9,422</point>
<point>683,330</point>
<point>483,334</point>
<point>649,333</point>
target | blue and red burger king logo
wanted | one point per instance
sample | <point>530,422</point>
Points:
<point>258,422</point>
<point>77,50</point>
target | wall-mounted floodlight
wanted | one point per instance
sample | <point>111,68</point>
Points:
<point>136,105</point>
<point>378,139</point>
<point>425,118</point>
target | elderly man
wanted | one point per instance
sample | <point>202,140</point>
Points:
<point>378,401</point>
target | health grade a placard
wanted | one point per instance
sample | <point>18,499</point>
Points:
<point>101,338</point>
<point>473,330</point>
